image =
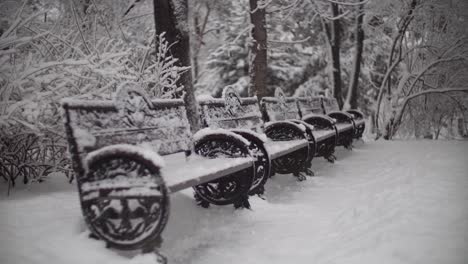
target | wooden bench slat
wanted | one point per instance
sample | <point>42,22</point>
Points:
<point>280,148</point>
<point>322,134</point>
<point>181,172</point>
<point>344,127</point>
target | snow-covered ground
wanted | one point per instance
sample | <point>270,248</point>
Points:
<point>383,202</point>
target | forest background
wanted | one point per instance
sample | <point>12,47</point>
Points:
<point>404,63</point>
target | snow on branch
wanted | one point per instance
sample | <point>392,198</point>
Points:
<point>431,91</point>
<point>289,42</point>
<point>348,4</point>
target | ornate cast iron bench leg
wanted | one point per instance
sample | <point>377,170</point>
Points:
<point>262,163</point>
<point>126,216</point>
<point>233,188</point>
<point>296,162</point>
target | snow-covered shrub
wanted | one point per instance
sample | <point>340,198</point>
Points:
<point>41,63</point>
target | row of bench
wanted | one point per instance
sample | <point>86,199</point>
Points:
<point>131,152</point>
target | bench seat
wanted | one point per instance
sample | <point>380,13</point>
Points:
<point>280,148</point>
<point>359,121</point>
<point>182,172</point>
<point>322,134</point>
<point>319,134</point>
<point>343,127</point>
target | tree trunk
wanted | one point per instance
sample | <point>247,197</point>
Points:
<point>171,17</point>
<point>199,34</point>
<point>196,50</point>
<point>351,99</point>
<point>333,31</point>
<point>258,51</point>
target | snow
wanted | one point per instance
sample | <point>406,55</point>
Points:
<point>332,120</point>
<point>278,149</point>
<point>181,172</point>
<point>260,136</point>
<point>202,133</point>
<point>145,153</point>
<point>84,138</point>
<point>384,202</point>
<point>321,134</point>
<point>299,126</point>
<point>344,126</point>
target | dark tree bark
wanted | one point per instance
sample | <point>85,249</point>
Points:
<point>353,85</point>
<point>258,51</point>
<point>200,31</point>
<point>333,31</point>
<point>171,17</point>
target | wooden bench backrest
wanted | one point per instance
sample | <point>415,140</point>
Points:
<point>280,107</point>
<point>131,118</point>
<point>330,104</point>
<point>231,111</point>
<point>310,105</point>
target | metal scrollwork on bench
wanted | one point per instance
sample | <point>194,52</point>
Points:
<point>279,94</point>
<point>124,200</point>
<point>262,162</point>
<point>235,110</point>
<point>230,189</point>
<point>232,102</point>
<point>133,106</point>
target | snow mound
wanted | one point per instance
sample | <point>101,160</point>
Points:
<point>384,202</point>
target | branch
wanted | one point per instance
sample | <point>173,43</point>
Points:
<point>79,26</point>
<point>428,67</point>
<point>337,17</point>
<point>431,91</point>
<point>348,4</point>
<point>290,42</point>
<point>284,8</point>
<point>135,17</point>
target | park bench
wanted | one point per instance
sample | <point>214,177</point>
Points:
<point>321,131</point>
<point>356,117</point>
<point>119,147</point>
<point>281,147</point>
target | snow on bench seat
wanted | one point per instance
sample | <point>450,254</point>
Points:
<point>120,187</point>
<point>182,172</point>
<point>280,148</point>
<point>322,134</point>
<point>343,127</point>
<point>179,173</point>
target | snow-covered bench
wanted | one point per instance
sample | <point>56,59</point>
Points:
<point>344,118</point>
<point>279,147</point>
<point>130,153</point>
<point>325,131</point>
<point>321,131</point>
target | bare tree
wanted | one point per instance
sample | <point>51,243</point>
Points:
<point>333,31</point>
<point>200,21</point>
<point>171,19</point>
<point>258,50</point>
<point>351,99</point>
<point>393,62</point>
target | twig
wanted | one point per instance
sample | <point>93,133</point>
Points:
<point>79,26</point>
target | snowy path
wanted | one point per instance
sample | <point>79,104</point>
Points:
<point>384,202</point>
